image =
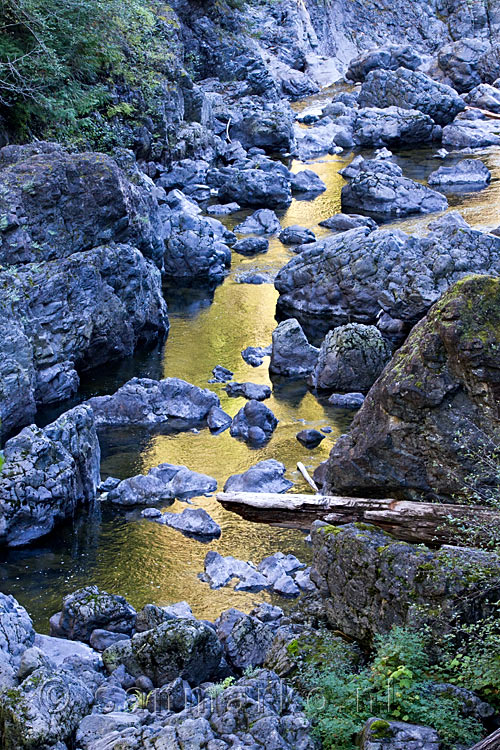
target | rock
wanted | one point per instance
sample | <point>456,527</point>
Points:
<point>325,137</point>
<point>110,483</point>
<point>352,276</point>
<point>58,204</point>
<point>60,651</point>
<point>219,571</point>
<point>303,580</point>
<point>150,616</point>
<point>150,513</point>
<point>145,402</point>
<point>472,705</point>
<point>469,62</point>
<point>89,608</point>
<point>310,438</point>
<point>263,221</point>
<point>16,631</point>
<point>251,246</point>
<point>380,189</point>
<point>346,400</point>
<point>245,639</point>
<point>98,726</point>
<point>180,647</point>
<point>484,96</point>
<point>45,709</point>
<point>471,134</point>
<point>175,696</point>
<point>296,235</point>
<point>393,126</point>
<point>248,277</point>
<point>344,222</point>
<point>266,476</point>
<point>218,420</point>
<point>354,568</point>
<point>409,439</point>
<point>256,187</point>
<point>292,356</point>
<point>249,391</point>
<point>271,129</point>
<point>389,57</point>
<point>193,522</point>
<point>254,355</point>
<point>307,181</point>
<point>218,209</point>
<point>469,172</point>
<point>221,374</point>
<point>74,313</point>
<point>410,89</point>
<point>47,473</point>
<point>379,734</point>
<point>266,612</point>
<point>162,484</point>
<point>33,658</point>
<point>254,423</point>
<point>351,356</point>
<point>101,639</point>
<point>286,586</point>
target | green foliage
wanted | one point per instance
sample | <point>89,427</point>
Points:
<point>63,61</point>
<point>217,688</point>
<point>395,686</point>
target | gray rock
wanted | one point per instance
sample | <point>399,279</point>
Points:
<point>346,400</point>
<point>151,513</point>
<point>219,571</point>
<point>47,474</point>
<point>180,647</point>
<point>218,209</point>
<point>286,586</point>
<point>379,734</point>
<point>97,726</point>
<point>389,57</point>
<point>221,374</point>
<point>254,423</point>
<point>270,129</point>
<point>249,391</point>
<point>175,696</point>
<point>303,580</point>
<point>256,187</point>
<point>100,639</point>
<point>393,126</point>
<point>251,246</point>
<point>307,181</point>
<point>248,277</point>
<point>351,356</point>
<point>411,90</point>
<point>471,134</point>
<point>266,476</point>
<point>292,356</point>
<point>16,630</point>
<point>344,222</point>
<point>484,96</point>
<point>468,62</point>
<point>162,484</point>
<point>89,608</point>
<point>296,235</point>
<point>110,483</point>
<point>218,420</point>
<point>263,221</point>
<point>310,438</point>
<point>58,650</point>
<point>150,616</point>
<point>245,639</point>
<point>380,189</point>
<point>469,172</point>
<point>146,402</point>
<point>193,522</point>
<point>324,137</point>
<point>255,355</point>
<point>33,658</point>
<point>266,612</point>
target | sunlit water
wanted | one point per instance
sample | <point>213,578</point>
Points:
<point>146,562</point>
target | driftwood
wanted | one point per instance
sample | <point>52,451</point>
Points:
<point>409,521</point>
<point>492,742</point>
<point>485,112</point>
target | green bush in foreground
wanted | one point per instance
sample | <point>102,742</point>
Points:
<point>398,685</point>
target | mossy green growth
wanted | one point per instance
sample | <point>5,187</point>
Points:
<point>380,729</point>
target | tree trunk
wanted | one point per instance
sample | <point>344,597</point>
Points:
<point>411,522</point>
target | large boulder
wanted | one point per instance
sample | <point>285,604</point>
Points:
<point>246,639</point>
<point>354,275</point>
<point>393,126</point>
<point>351,357</point>
<point>181,647</point>
<point>270,129</point>
<point>162,484</point>
<point>379,734</point>
<point>292,356</point>
<point>70,315</point>
<point>56,204</point>
<point>411,90</point>
<point>89,609</point>
<point>471,134</point>
<point>259,188</point>
<point>16,634</point>
<point>468,62</point>
<point>371,582</point>
<point>266,476</point>
<point>471,173</point>
<point>380,190</point>
<point>434,409</point>
<point>144,402</point>
<point>47,474</point>
<point>484,96</point>
<point>254,423</point>
<point>389,57</point>
<point>196,247</point>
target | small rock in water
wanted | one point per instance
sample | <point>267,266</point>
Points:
<point>218,420</point>
<point>468,172</point>
<point>251,246</point>
<point>109,484</point>
<point>263,221</point>
<point>266,476</point>
<point>286,586</point>
<point>151,513</point>
<point>442,153</point>
<point>254,423</point>
<point>307,181</point>
<point>344,222</point>
<point>221,374</point>
<point>193,522</point>
<point>248,390</point>
<point>296,235</point>
<point>254,355</point>
<point>248,277</point>
<point>346,400</point>
<point>327,430</point>
<point>219,209</point>
<point>310,438</point>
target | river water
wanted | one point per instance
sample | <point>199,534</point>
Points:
<point>146,562</point>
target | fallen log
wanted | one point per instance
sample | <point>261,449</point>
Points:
<point>492,742</point>
<point>430,523</point>
<point>485,112</point>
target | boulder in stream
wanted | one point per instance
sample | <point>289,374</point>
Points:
<point>254,423</point>
<point>162,484</point>
<point>266,476</point>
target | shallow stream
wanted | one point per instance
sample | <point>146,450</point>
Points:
<point>144,561</point>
